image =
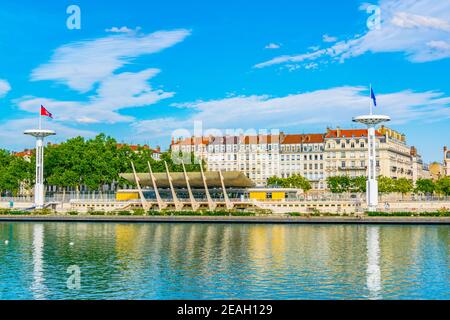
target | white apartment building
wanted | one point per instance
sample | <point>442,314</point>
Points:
<point>313,156</point>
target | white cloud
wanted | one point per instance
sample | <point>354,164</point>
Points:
<point>5,87</point>
<point>438,45</point>
<point>418,28</point>
<point>81,65</point>
<point>12,137</point>
<point>84,64</point>
<point>410,21</point>
<point>327,38</point>
<point>322,107</point>
<point>273,46</point>
<point>116,92</point>
<point>123,29</point>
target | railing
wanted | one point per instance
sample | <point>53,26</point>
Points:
<point>109,198</point>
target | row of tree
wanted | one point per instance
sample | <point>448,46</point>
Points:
<point>343,184</point>
<point>78,162</point>
<point>346,184</point>
<point>294,181</point>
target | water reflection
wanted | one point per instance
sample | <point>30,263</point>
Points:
<point>38,286</point>
<point>373,263</point>
<point>190,261</point>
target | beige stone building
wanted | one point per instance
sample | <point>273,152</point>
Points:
<point>313,156</point>
<point>446,166</point>
<point>346,154</point>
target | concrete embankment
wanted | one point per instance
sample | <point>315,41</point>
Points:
<point>248,220</point>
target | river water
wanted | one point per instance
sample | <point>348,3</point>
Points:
<point>220,261</point>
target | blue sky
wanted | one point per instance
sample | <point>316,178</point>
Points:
<point>142,71</point>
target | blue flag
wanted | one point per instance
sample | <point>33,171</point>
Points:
<point>372,96</point>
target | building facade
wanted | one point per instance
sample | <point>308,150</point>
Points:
<point>313,156</point>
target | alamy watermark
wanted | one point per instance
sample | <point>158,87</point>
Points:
<point>74,280</point>
<point>74,20</point>
<point>374,21</point>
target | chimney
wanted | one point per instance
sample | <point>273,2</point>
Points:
<point>282,136</point>
<point>338,132</point>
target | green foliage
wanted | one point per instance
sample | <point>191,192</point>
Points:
<point>385,185</point>
<point>403,186</point>
<point>443,186</point>
<point>14,171</point>
<point>42,212</point>
<point>124,213</point>
<point>96,213</point>
<point>138,212</point>
<point>358,184</point>
<point>426,186</point>
<point>218,213</point>
<point>439,213</point>
<point>341,184</point>
<point>76,162</point>
<point>294,181</point>
<point>10,212</point>
<point>389,185</point>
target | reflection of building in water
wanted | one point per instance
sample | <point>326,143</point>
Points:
<point>373,263</point>
<point>38,287</point>
<point>268,242</point>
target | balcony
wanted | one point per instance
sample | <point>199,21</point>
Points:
<point>346,168</point>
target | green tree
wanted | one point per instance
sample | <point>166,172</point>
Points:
<point>403,186</point>
<point>339,184</point>
<point>425,186</point>
<point>294,181</point>
<point>14,172</point>
<point>443,186</point>
<point>385,184</point>
<point>358,184</point>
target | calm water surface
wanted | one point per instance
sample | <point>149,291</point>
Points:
<point>192,261</point>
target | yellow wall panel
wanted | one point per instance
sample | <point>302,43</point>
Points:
<point>278,195</point>
<point>126,196</point>
<point>258,195</point>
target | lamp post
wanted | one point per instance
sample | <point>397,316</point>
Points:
<point>40,135</point>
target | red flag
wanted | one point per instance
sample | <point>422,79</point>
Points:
<point>44,112</point>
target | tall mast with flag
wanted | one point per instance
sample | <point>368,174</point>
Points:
<point>40,135</point>
<point>43,112</point>
<point>373,99</point>
<point>371,121</point>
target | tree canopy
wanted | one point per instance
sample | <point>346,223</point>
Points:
<point>14,171</point>
<point>83,162</point>
<point>342,184</point>
<point>294,181</point>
